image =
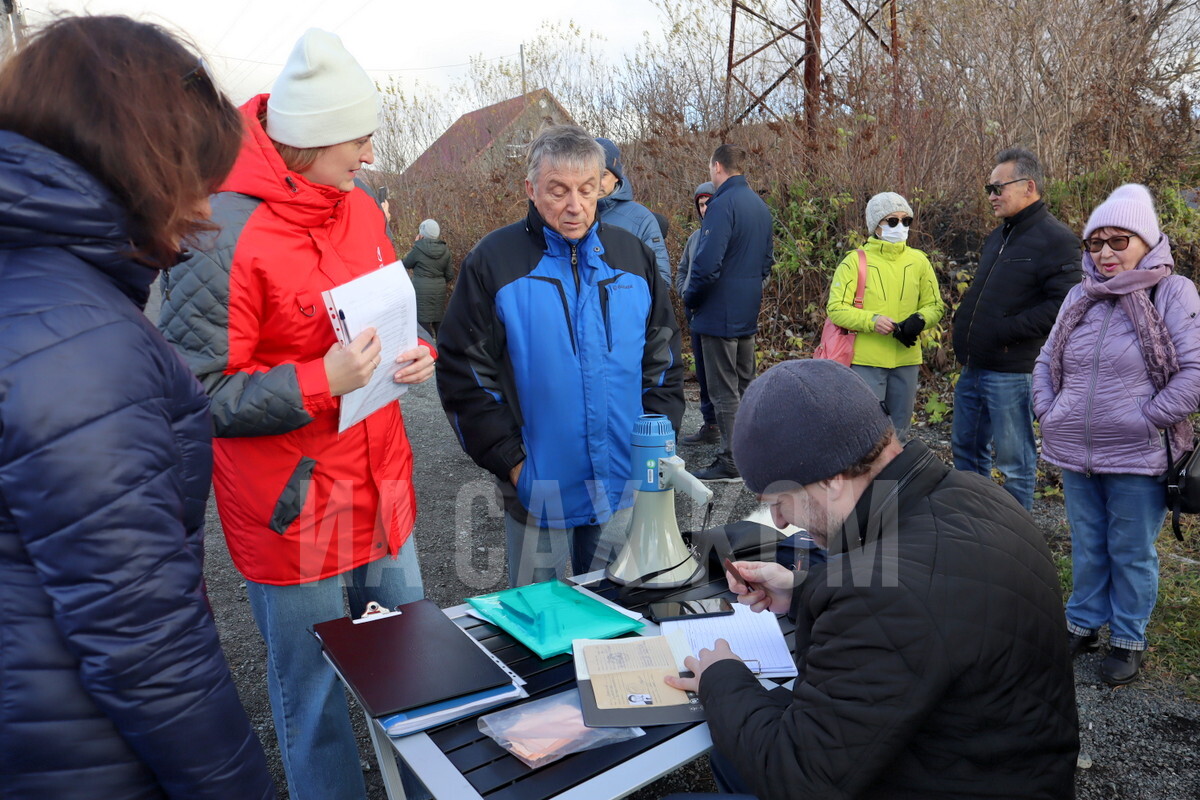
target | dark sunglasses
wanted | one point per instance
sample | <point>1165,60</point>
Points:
<point>199,79</point>
<point>1115,243</point>
<point>894,221</point>
<point>998,188</point>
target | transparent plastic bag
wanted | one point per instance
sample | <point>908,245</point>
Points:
<point>545,730</point>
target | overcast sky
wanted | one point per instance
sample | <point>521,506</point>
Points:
<point>247,41</point>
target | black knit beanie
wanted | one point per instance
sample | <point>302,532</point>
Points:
<point>805,421</point>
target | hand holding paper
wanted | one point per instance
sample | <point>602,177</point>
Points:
<point>720,652</point>
<point>417,365</point>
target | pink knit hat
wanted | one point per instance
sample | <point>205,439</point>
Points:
<point>1129,207</point>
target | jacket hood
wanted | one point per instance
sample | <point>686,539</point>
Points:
<point>434,248</point>
<point>260,172</point>
<point>623,193</point>
<point>47,200</point>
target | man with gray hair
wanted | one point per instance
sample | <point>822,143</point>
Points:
<point>558,336</point>
<point>931,645</point>
<point>1026,267</point>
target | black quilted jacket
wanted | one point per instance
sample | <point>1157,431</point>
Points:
<point>933,657</point>
<point>1026,267</point>
<point>112,680</point>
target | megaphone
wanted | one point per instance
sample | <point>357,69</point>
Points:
<point>654,555</point>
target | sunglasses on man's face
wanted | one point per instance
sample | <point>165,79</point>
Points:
<point>1115,243</point>
<point>892,222</point>
<point>998,188</point>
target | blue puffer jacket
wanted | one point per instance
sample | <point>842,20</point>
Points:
<point>621,210</point>
<point>112,680</point>
<point>734,257</point>
<point>549,352</point>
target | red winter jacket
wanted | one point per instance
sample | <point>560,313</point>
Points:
<point>298,502</point>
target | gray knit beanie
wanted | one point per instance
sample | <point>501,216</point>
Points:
<point>883,204</point>
<point>705,189</point>
<point>804,421</point>
<point>430,229</point>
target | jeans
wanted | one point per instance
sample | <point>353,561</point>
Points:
<point>1114,521</point>
<point>897,389</point>
<point>729,368</point>
<point>996,408</point>
<point>312,720</point>
<point>538,554</point>
<point>707,411</point>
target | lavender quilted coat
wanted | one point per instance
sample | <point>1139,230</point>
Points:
<point>1107,418</point>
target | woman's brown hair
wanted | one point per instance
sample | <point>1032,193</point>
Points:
<point>135,108</point>
<point>297,159</point>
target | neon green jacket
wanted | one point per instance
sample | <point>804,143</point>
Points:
<point>900,281</point>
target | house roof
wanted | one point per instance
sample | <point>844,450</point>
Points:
<point>475,133</point>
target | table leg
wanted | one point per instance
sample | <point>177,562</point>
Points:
<point>385,757</point>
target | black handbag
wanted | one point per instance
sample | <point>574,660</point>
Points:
<point>1183,484</point>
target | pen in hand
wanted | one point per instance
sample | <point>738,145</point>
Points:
<point>736,573</point>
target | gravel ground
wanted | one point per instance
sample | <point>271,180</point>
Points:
<point>1139,743</point>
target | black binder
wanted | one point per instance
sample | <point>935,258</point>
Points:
<point>407,660</point>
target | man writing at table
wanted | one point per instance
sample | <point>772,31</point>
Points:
<point>932,645</point>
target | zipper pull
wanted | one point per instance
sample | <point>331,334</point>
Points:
<point>292,184</point>
<point>574,256</point>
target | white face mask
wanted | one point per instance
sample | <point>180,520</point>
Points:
<point>894,235</point>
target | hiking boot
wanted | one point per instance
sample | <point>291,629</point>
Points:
<point>708,433</point>
<point>1077,644</point>
<point>719,471</point>
<point>1122,666</point>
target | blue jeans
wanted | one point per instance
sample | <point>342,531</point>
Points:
<point>996,408</point>
<point>896,388</point>
<point>1115,520</point>
<point>312,721</point>
<point>540,554</point>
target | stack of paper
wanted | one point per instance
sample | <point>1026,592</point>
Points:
<point>755,637</point>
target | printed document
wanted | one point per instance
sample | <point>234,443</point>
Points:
<point>385,300</point>
<point>755,637</point>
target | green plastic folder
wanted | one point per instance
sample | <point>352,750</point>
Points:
<point>547,617</point>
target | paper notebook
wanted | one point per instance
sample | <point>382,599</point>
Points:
<point>408,660</point>
<point>754,636</point>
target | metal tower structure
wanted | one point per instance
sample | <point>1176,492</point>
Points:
<point>797,25</point>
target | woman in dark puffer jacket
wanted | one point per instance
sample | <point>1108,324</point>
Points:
<point>1117,378</point>
<point>429,260</point>
<point>112,680</point>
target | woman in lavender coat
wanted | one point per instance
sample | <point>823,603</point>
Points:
<point>1119,373</point>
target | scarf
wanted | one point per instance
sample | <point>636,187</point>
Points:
<point>1131,290</point>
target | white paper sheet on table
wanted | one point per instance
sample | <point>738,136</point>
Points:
<point>754,636</point>
<point>385,300</point>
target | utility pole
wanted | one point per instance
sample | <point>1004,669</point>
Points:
<point>524,91</point>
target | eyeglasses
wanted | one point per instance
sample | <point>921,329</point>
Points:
<point>1115,243</point>
<point>894,221</point>
<point>998,188</point>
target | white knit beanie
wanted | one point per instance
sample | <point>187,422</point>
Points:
<point>323,96</point>
<point>882,205</point>
<point>430,229</point>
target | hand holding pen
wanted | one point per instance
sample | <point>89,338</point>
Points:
<point>761,585</point>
